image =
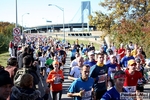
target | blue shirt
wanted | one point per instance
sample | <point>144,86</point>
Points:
<point>90,63</point>
<point>112,94</point>
<point>45,48</point>
<point>79,85</point>
<point>73,53</point>
<point>84,50</point>
<point>124,61</point>
<point>96,72</point>
<point>111,68</point>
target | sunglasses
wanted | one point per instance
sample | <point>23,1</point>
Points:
<point>133,64</point>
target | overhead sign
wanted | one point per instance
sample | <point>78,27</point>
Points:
<point>16,31</point>
<point>17,39</point>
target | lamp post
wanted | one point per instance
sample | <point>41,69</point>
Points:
<point>62,9</point>
<point>16,25</point>
<point>22,21</point>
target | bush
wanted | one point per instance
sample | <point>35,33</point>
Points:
<point>4,42</point>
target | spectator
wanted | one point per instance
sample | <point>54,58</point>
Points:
<point>5,84</point>
<point>25,90</point>
<point>12,66</point>
<point>11,47</point>
<point>20,57</point>
<point>27,63</point>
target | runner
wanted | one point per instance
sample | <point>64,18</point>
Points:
<point>81,89</point>
<point>99,73</point>
<point>114,93</point>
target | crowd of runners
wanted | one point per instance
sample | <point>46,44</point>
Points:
<point>109,73</point>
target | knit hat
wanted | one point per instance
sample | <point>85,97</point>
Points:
<point>4,78</point>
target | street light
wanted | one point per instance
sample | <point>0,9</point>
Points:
<point>22,21</point>
<point>47,22</point>
<point>62,9</point>
<point>16,25</point>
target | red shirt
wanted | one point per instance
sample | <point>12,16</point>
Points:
<point>120,51</point>
<point>131,80</point>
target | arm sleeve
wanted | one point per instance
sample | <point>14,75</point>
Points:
<point>49,78</point>
<point>72,71</point>
<point>106,96</point>
<point>72,88</point>
<point>92,72</point>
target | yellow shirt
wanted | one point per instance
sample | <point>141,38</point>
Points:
<point>134,52</point>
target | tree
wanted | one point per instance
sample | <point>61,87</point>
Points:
<point>126,20</point>
<point>6,30</point>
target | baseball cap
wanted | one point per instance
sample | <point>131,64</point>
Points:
<point>91,53</point>
<point>111,56</point>
<point>130,62</point>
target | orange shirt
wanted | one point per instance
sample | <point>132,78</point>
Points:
<point>56,85</point>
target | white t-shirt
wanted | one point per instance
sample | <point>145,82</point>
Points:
<point>75,71</point>
<point>73,63</point>
<point>42,61</point>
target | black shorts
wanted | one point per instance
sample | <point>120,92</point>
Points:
<point>99,94</point>
<point>42,68</point>
<point>140,88</point>
<point>72,58</point>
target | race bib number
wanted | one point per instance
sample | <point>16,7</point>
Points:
<point>87,95</point>
<point>57,80</point>
<point>130,88</point>
<point>102,78</point>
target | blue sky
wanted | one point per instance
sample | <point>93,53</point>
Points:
<point>39,9</point>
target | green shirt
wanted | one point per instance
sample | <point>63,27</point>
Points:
<point>49,61</point>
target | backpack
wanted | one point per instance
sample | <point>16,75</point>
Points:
<point>20,72</point>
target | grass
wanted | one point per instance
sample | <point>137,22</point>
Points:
<point>3,59</point>
<point>83,41</point>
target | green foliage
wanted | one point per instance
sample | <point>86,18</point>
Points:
<point>6,30</point>
<point>127,20</point>
<point>4,42</point>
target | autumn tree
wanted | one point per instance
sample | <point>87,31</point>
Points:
<point>126,20</point>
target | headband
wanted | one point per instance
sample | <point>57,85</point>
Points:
<point>119,76</point>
